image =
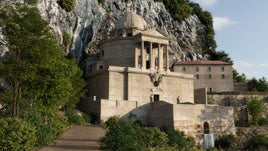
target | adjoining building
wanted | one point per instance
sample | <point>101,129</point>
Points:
<point>216,76</point>
<point>130,78</point>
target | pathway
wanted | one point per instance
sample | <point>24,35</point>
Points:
<point>78,138</point>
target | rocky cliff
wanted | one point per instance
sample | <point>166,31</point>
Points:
<point>91,21</point>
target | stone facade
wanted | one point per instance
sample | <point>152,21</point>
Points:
<point>239,102</point>
<point>130,78</point>
<point>216,76</point>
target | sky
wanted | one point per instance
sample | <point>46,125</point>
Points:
<point>241,30</point>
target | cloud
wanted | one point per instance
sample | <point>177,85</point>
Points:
<point>206,3</point>
<point>221,22</point>
<point>251,70</point>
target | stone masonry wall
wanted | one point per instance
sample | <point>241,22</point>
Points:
<point>191,118</point>
<point>239,102</point>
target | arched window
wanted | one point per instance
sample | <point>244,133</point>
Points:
<point>206,128</point>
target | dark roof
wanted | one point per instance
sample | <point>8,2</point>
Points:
<point>203,62</point>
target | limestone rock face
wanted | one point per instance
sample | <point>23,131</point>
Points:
<point>92,22</point>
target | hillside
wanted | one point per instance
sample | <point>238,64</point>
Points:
<point>92,21</point>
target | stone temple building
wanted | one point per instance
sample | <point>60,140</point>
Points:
<point>130,78</point>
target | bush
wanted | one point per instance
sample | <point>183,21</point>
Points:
<point>242,123</point>
<point>258,142</point>
<point>43,132</point>
<point>178,139</point>
<point>263,121</point>
<point>255,107</point>
<point>16,135</point>
<point>58,124</point>
<point>154,137</point>
<point>122,136</point>
<point>76,117</point>
<point>225,142</point>
<point>66,40</point>
<point>68,5</point>
<point>111,122</point>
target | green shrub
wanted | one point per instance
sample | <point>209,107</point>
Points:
<point>66,40</point>
<point>255,107</point>
<point>76,117</point>
<point>225,142</point>
<point>58,124</point>
<point>122,136</point>
<point>154,137</point>
<point>16,135</point>
<point>43,132</point>
<point>68,5</point>
<point>263,121</point>
<point>178,139</point>
<point>111,122</point>
<point>241,123</point>
<point>257,143</point>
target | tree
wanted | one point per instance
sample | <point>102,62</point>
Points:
<point>239,78</point>
<point>34,70</point>
<point>255,107</point>
<point>258,85</point>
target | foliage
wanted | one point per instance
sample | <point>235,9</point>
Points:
<point>257,143</point>
<point>154,137</point>
<point>68,5</point>
<point>126,135</point>
<point>16,135</point>
<point>35,72</point>
<point>178,139</point>
<point>255,108</point>
<point>182,9</point>
<point>220,55</point>
<point>76,117</point>
<point>66,40</point>
<point>58,123</point>
<point>239,78</point>
<point>178,9</point>
<point>111,122</point>
<point>241,123</point>
<point>258,85</point>
<point>225,142</point>
<point>121,136</point>
<point>43,132</point>
<point>263,121</point>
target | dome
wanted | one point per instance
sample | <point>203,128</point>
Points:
<point>131,20</point>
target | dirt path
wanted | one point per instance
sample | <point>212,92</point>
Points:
<point>78,138</point>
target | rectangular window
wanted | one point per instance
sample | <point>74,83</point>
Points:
<point>222,69</point>
<point>196,69</point>
<point>223,76</point>
<point>209,69</point>
<point>156,97</point>
<point>197,76</point>
<point>209,76</point>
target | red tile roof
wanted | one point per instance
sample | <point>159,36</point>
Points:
<point>203,62</point>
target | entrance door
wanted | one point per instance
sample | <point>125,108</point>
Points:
<point>156,97</point>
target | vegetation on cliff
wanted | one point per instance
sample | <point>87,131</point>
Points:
<point>68,5</point>
<point>182,9</point>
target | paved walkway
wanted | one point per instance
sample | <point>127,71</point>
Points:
<point>78,138</point>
